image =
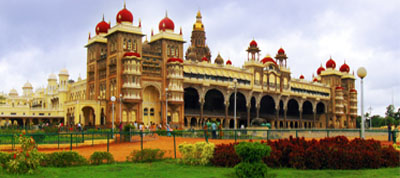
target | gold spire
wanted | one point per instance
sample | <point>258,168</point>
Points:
<point>199,24</point>
<point>103,16</point>
<point>198,14</point>
<point>124,4</point>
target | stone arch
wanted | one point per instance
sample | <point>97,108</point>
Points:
<point>293,109</point>
<point>146,84</point>
<point>240,103</point>
<point>307,109</point>
<point>193,122</point>
<point>191,99</point>
<point>89,115</point>
<point>214,102</point>
<point>267,107</point>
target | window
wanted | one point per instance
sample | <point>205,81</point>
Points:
<point>152,112</point>
<point>145,112</point>
<point>129,44</point>
<point>124,44</point>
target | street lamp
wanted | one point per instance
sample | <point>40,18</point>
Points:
<point>362,72</point>
<point>113,101</point>
<point>234,108</point>
<point>166,106</point>
<point>120,108</point>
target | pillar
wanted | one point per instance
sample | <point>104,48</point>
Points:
<point>285,117</point>
<point>226,110</point>
<point>301,125</point>
<point>248,115</point>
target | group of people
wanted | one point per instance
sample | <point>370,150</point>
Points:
<point>214,126</point>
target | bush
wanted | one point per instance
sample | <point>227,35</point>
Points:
<point>64,159</point>
<point>248,170</point>
<point>101,157</point>
<point>26,160</point>
<point>225,155</point>
<point>251,154</point>
<point>331,153</point>
<point>199,153</point>
<point>145,155</point>
<point>4,158</point>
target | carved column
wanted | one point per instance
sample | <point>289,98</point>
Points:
<point>248,115</point>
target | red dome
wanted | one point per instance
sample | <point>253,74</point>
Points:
<point>102,27</point>
<point>131,54</point>
<point>301,76</point>
<point>166,24</point>
<point>353,90</point>
<point>253,43</point>
<point>228,62</point>
<point>268,59</point>
<point>204,59</point>
<point>315,80</point>
<point>344,68</point>
<point>281,51</point>
<point>124,15</point>
<point>320,69</point>
<point>331,63</point>
<point>339,88</point>
<point>175,60</point>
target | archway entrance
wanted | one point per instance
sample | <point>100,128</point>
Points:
<point>151,105</point>
<point>89,116</point>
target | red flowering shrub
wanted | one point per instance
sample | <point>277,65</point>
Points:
<point>331,153</point>
<point>225,155</point>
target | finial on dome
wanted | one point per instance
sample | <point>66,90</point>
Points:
<point>103,16</point>
<point>124,4</point>
<point>140,22</point>
<point>180,32</point>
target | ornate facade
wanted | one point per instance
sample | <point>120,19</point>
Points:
<point>149,77</point>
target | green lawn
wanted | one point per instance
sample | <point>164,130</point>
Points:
<point>169,168</point>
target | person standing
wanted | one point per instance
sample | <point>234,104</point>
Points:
<point>214,130</point>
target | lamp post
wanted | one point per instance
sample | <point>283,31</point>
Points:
<point>234,108</point>
<point>112,127</point>
<point>362,72</point>
<point>166,106</point>
<point>120,108</point>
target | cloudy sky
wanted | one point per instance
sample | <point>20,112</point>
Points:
<point>39,37</point>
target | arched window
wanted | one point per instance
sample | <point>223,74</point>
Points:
<point>145,111</point>
<point>129,44</point>
<point>124,44</point>
<point>152,112</point>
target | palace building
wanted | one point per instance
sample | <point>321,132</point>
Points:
<point>150,77</point>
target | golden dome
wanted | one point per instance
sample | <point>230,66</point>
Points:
<point>199,24</point>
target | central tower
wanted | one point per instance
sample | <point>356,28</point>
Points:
<point>198,48</point>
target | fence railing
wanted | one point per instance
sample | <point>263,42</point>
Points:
<point>71,140</point>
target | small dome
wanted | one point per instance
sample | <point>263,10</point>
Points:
<point>253,43</point>
<point>204,59</point>
<point>281,51</point>
<point>320,69</point>
<point>102,27</point>
<point>63,72</point>
<point>331,63</point>
<point>268,58</point>
<point>52,77</point>
<point>219,60</point>
<point>228,62</point>
<point>27,85</point>
<point>13,92</point>
<point>166,24</point>
<point>124,15</point>
<point>339,88</point>
<point>353,91</point>
<point>344,68</point>
<point>175,60</point>
<point>315,79</point>
<point>131,54</point>
<point>301,77</point>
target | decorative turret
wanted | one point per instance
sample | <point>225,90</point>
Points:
<point>175,79</point>
<point>253,52</point>
<point>219,60</point>
<point>132,76</point>
<point>353,102</point>
<point>63,75</point>
<point>198,47</point>
<point>281,58</point>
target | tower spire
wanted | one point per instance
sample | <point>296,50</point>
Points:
<point>166,13</point>
<point>103,16</point>
<point>124,4</point>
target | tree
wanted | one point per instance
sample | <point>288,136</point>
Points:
<point>390,111</point>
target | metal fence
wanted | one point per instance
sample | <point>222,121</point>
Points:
<point>170,139</point>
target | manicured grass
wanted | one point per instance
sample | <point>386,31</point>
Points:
<point>169,169</point>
